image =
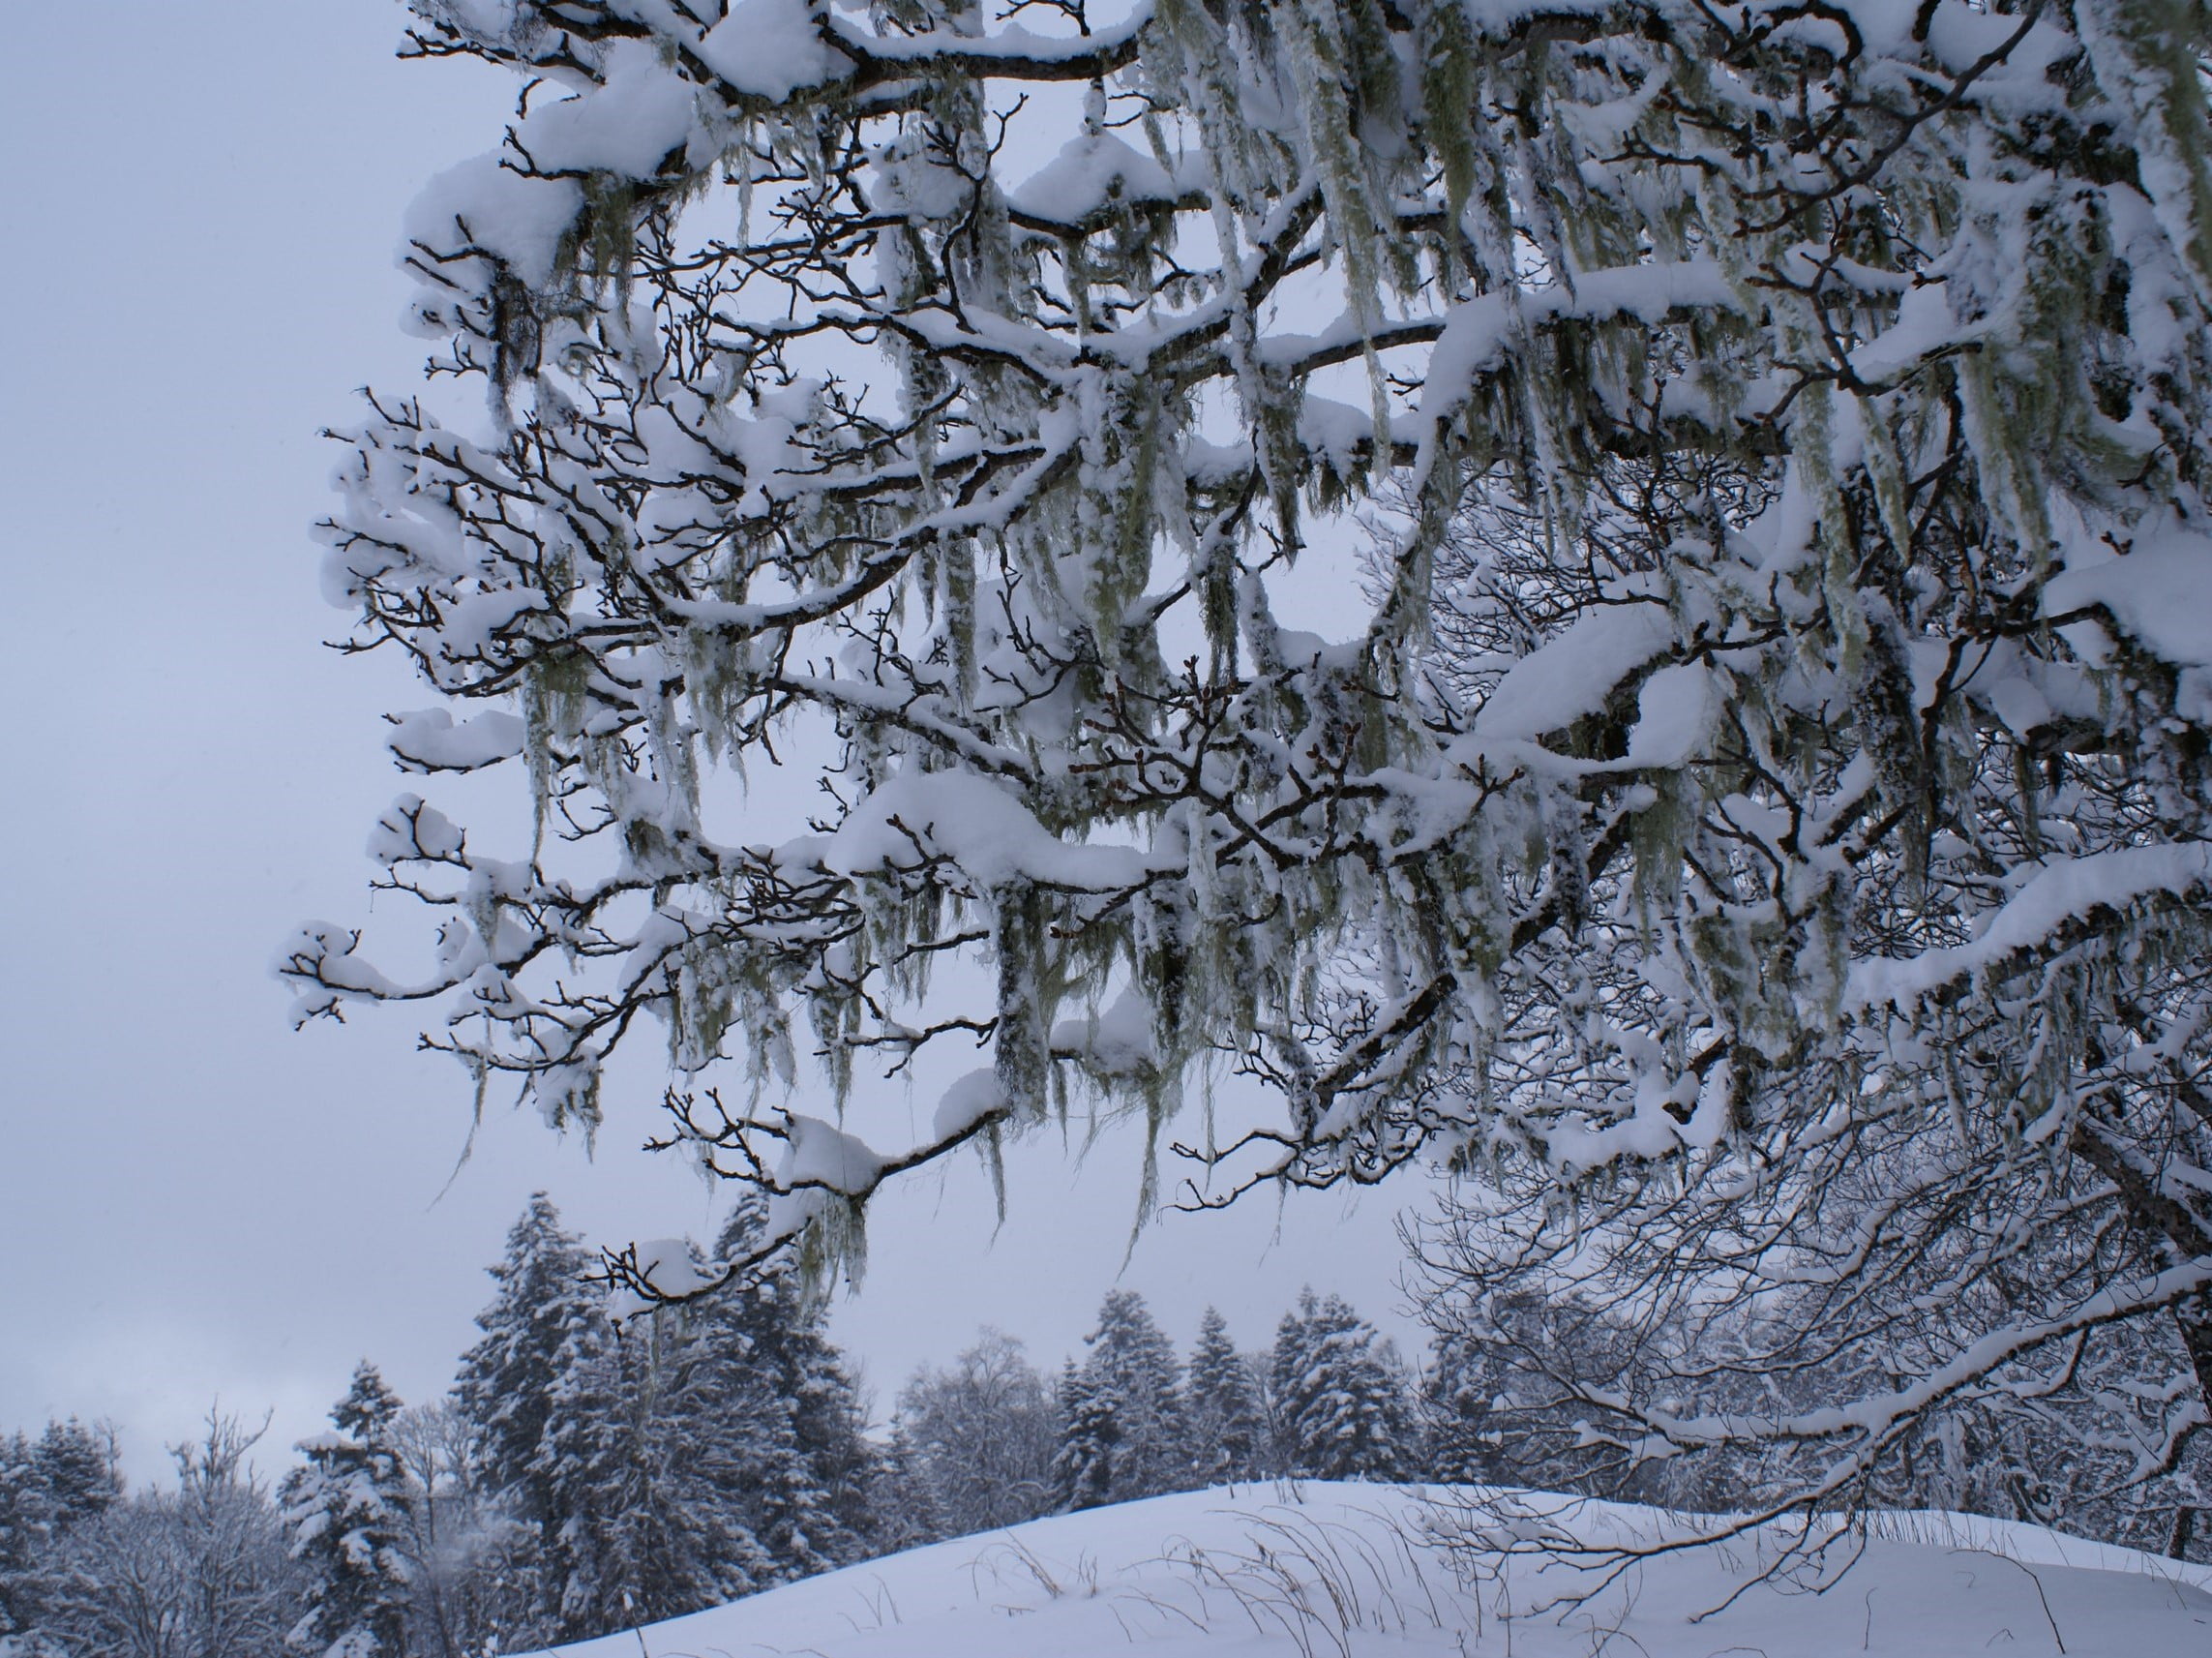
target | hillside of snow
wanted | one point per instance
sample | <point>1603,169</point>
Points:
<point>1357,1571</point>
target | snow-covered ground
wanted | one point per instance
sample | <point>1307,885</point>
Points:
<point>1350,1571</point>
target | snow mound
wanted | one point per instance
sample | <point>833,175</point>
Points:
<point>1361,1571</point>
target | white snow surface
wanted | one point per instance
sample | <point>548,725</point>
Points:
<point>2061,890</point>
<point>978,824</point>
<point>430,740</point>
<point>1356,1571</point>
<point>624,126</point>
<point>768,47</point>
<point>1089,173</point>
<point>2159,592</point>
<point>483,203</point>
<point>1572,676</point>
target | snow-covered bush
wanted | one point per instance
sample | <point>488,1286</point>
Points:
<point>974,1449</point>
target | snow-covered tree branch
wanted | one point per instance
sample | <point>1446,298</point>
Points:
<point>1761,757</point>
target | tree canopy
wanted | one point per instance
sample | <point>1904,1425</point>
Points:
<point>1751,789</point>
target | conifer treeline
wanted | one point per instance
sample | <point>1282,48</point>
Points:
<point>987,1442</point>
<point>579,1480</point>
<point>589,1479</point>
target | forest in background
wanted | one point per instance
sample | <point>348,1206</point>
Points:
<point>585,1476</point>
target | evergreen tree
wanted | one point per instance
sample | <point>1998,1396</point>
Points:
<point>50,1486</point>
<point>22,1531</point>
<point>1084,1471</point>
<point>652,1522</point>
<point>544,1322</point>
<point>691,1458</point>
<point>762,1363</point>
<point>78,1470</point>
<point>1228,1429</point>
<point>1339,1395</point>
<point>1459,1431</point>
<point>347,1512</point>
<point>703,1455</point>
<point>903,1503</point>
<point>1132,1368</point>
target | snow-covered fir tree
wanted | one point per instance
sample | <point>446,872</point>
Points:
<point>1227,1422</point>
<point>50,1487</point>
<point>20,1532</point>
<point>775,1371</point>
<point>1091,1436</point>
<point>681,1461</point>
<point>1764,779</point>
<point>76,1468</point>
<point>345,1511</point>
<point>1132,1378</point>
<point>544,1322</point>
<point>1461,1436</point>
<point>1338,1396</point>
<point>652,1500</point>
<point>903,1502</point>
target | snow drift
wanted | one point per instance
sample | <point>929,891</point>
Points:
<point>1317,1570</point>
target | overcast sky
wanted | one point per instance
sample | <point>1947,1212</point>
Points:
<point>196,1202</point>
